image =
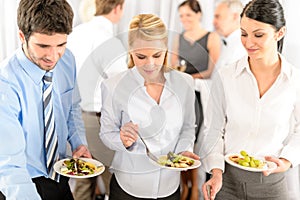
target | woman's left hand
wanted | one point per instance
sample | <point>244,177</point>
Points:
<point>190,155</point>
<point>282,165</point>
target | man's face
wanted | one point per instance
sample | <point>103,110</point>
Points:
<point>44,50</point>
<point>224,19</point>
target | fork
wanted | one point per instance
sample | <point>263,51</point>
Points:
<point>149,154</point>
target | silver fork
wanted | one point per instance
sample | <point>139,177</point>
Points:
<point>149,154</point>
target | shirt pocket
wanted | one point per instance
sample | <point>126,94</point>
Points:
<point>67,102</point>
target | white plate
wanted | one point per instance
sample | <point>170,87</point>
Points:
<point>270,165</point>
<point>59,164</point>
<point>196,164</point>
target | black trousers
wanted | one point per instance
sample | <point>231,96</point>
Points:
<point>51,190</point>
<point>2,197</point>
<point>117,193</point>
<point>198,113</point>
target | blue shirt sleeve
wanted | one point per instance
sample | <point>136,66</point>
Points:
<point>15,181</point>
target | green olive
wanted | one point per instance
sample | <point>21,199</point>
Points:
<point>241,161</point>
<point>245,164</point>
<point>243,153</point>
<point>252,164</point>
<point>247,158</point>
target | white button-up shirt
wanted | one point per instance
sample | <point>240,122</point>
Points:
<point>259,125</point>
<point>232,51</point>
<point>167,126</point>
<point>98,55</point>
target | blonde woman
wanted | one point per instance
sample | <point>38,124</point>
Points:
<point>146,99</point>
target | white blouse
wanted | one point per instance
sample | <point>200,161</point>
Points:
<point>167,126</point>
<point>239,119</point>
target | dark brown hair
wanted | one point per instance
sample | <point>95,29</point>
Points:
<point>44,16</point>
<point>269,12</point>
<point>193,4</point>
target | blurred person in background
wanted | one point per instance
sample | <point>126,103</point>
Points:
<point>227,25</point>
<point>99,55</point>
<point>197,50</point>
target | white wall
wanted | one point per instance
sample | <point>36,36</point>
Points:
<point>166,9</point>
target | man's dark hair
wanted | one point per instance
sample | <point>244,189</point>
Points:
<point>44,16</point>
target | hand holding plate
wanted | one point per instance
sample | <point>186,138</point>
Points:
<point>282,165</point>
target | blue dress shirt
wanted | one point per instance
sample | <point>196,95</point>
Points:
<point>22,154</point>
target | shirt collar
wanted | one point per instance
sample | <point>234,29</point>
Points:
<point>232,38</point>
<point>32,70</point>
<point>139,78</point>
<point>286,67</point>
<point>243,64</point>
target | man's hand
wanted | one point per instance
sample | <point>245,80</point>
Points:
<point>282,165</point>
<point>81,151</point>
<point>213,185</point>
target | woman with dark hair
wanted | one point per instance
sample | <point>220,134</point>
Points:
<point>267,88</point>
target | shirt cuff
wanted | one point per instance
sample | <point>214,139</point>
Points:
<point>130,148</point>
<point>213,161</point>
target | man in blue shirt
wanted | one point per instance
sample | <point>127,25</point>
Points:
<point>43,29</point>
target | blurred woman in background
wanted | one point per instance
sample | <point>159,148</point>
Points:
<point>196,51</point>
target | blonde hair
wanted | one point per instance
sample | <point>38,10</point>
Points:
<point>147,27</point>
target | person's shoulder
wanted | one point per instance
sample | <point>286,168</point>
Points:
<point>291,70</point>
<point>68,56</point>
<point>90,32</point>
<point>233,68</point>
<point>113,80</point>
<point>213,40</point>
<point>9,66</point>
<point>83,28</point>
<point>213,36</point>
<point>181,77</point>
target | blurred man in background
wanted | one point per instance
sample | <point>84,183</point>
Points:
<point>98,55</point>
<point>227,24</point>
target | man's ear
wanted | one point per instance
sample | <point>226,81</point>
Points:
<point>22,37</point>
<point>281,33</point>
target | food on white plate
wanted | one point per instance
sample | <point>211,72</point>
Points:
<point>79,167</point>
<point>248,161</point>
<point>175,160</point>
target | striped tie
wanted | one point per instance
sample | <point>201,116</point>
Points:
<point>51,143</point>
